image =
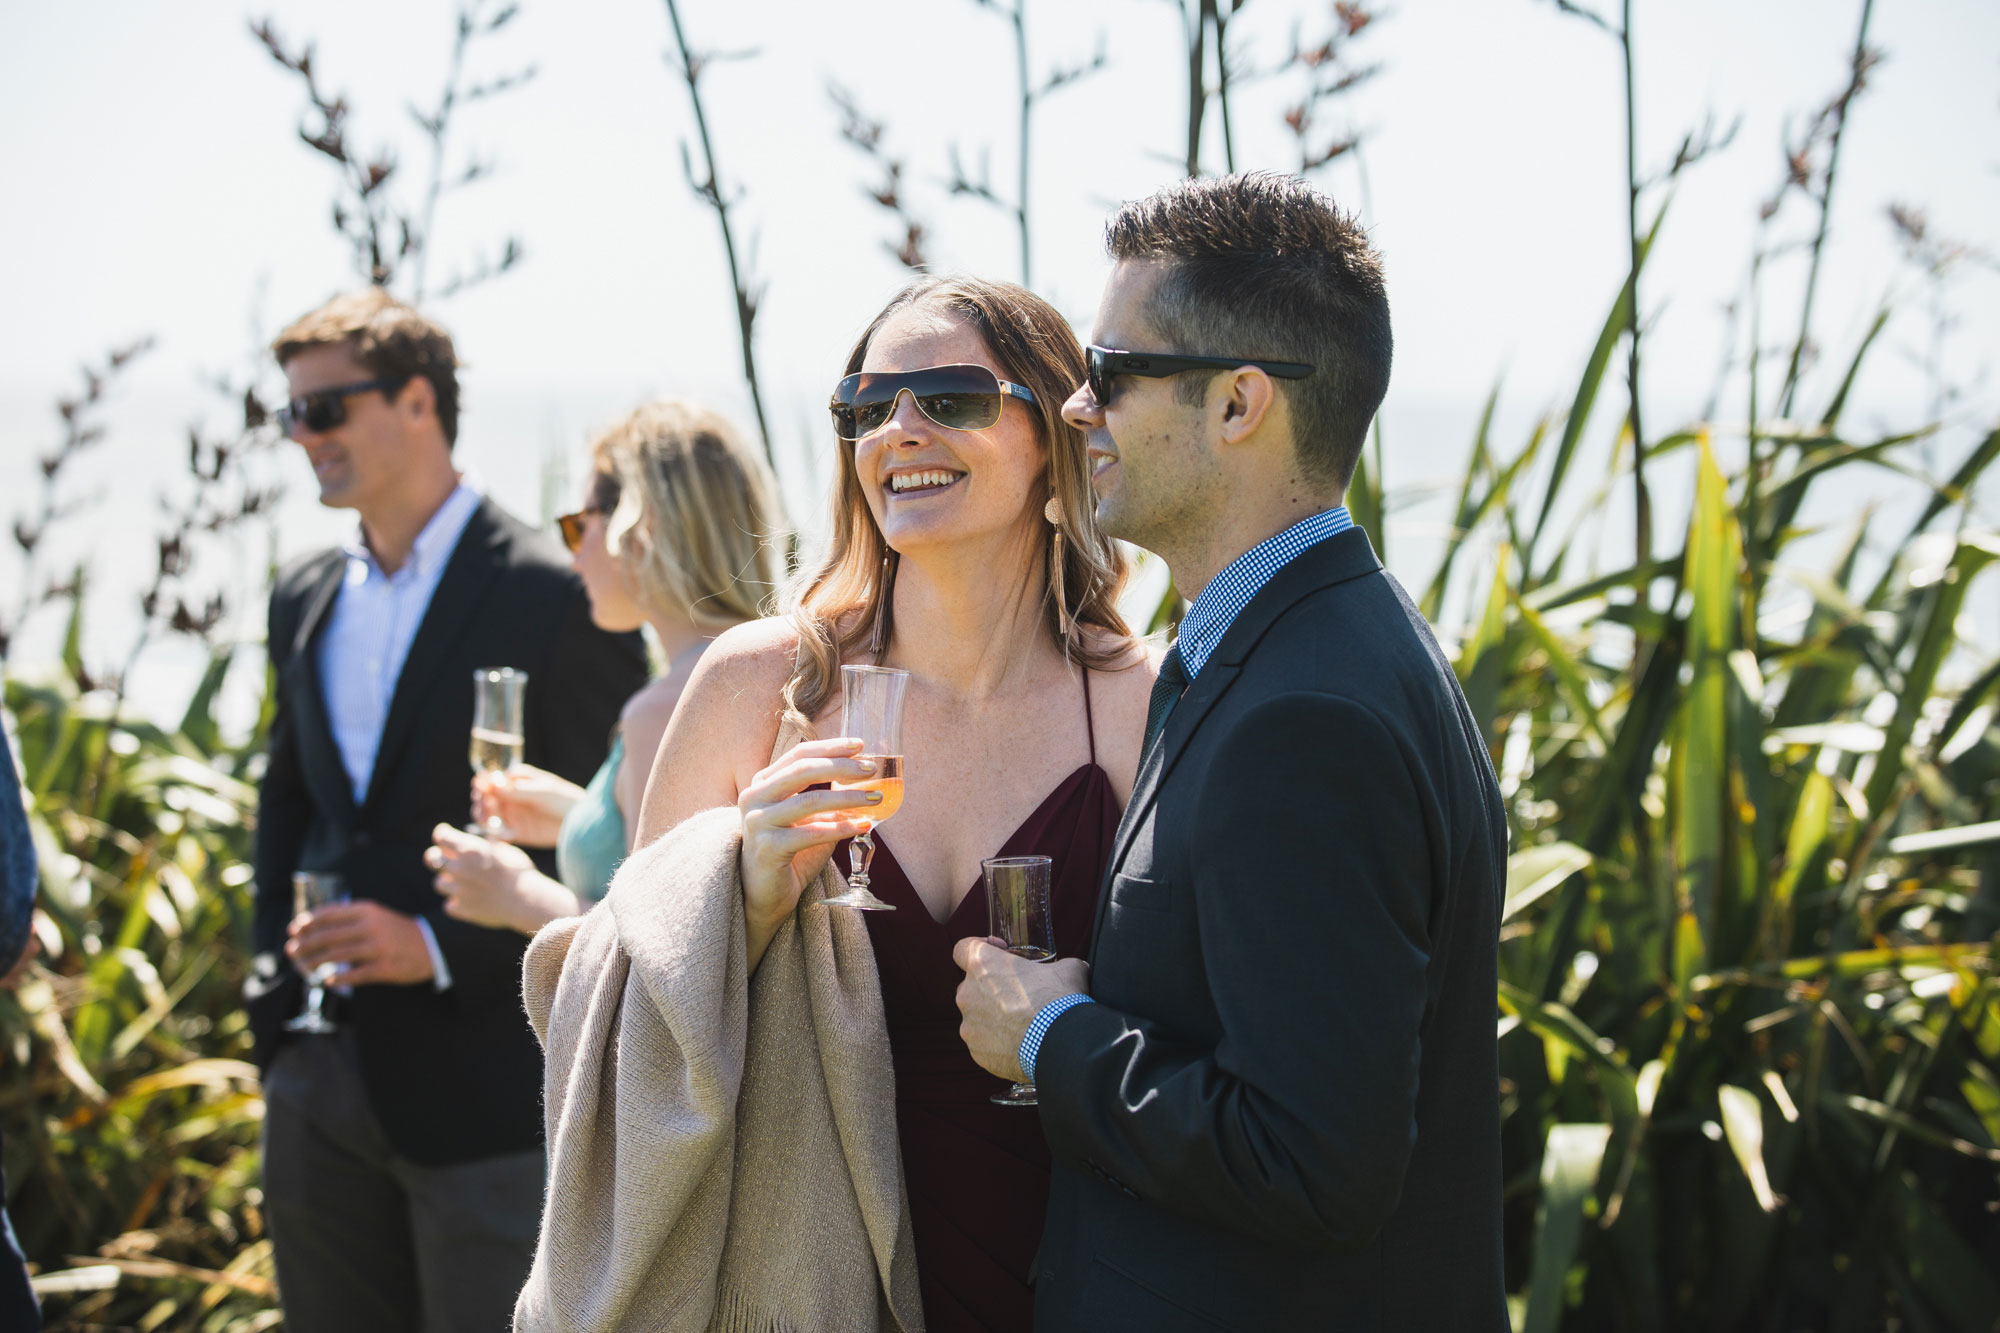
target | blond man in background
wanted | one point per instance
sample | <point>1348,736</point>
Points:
<point>403,1159</point>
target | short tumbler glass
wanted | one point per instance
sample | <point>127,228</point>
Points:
<point>1018,915</point>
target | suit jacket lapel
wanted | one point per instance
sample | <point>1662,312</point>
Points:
<point>1201,696</point>
<point>319,755</point>
<point>1335,560</point>
<point>471,567</point>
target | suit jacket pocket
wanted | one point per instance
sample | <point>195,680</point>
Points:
<point>1145,895</point>
<point>1115,1302</point>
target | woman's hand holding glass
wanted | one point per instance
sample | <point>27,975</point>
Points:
<point>493,883</point>
<point>789,831</point>
<point>530,802</point>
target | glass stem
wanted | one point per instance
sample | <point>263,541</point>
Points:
<point>863,850</point>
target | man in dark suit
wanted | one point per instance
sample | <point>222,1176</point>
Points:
<point>1276,1106</point>
<point>403,1158</point>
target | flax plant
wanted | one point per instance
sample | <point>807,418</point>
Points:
<point>1750,1031</point>
<point>391,240</point>
<point>131,1111</point>
<point>691,64</point>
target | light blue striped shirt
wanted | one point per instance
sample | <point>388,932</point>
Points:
<point>370,629</point>
<point>366,641</point>
<point>1230,591</point>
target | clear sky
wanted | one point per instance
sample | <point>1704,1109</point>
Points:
<point>157,186</point>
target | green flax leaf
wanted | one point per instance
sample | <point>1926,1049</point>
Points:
<point>1534,871</point>
<point>1570,1164</point>
<point>1743,1126</point>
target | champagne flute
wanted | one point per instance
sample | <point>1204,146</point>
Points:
<point>310,892</point>
<point>497,697</point>
<point>1017,913</point>
<point>872,711</point>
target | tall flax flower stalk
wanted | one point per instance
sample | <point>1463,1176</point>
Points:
<point>749,294</point>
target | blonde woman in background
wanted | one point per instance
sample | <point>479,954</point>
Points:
<point>677,531</point>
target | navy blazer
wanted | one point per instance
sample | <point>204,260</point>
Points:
<point>453,1075</point>
<point>1283,1110</point>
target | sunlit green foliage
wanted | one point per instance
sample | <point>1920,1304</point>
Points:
<point>1749,1038</point>
<point>130,1112</point>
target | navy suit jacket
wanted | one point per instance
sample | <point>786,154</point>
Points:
<point>1283,1110</point>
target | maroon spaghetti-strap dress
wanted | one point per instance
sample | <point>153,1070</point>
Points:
<point>978,1174</point>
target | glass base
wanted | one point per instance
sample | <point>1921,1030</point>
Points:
<point>319,1023</point>
<point>1017,1094</point>
<point>858,897</point>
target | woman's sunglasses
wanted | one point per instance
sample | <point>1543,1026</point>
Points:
<point>955,397</point>
<point>571,527</point>
<point>1104,364</point>
<point>603,499</point>
<point>324,409</point>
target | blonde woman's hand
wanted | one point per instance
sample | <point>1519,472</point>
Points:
<point>530,801</point>
<point>494,883</point>
<point>789,832</point>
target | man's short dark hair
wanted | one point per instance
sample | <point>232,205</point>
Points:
<point>1265,267</point>
<point>390,339</point>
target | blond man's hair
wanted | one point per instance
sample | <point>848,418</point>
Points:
<point>696,525</point>
<point>391,339</point>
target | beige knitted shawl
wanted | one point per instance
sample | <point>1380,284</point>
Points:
<point>721,1156</point>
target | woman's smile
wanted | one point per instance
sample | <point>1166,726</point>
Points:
<point>916,483</point>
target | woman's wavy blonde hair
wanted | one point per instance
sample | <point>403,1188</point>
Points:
<point>696,516</point>
<point>842,600</point>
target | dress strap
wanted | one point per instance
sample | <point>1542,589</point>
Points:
<point>1089,723</point>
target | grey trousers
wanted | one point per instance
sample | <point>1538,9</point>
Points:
<point>367,1239</point>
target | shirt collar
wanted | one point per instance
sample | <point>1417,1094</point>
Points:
<point>434,544</point>
<point>1242,579</point>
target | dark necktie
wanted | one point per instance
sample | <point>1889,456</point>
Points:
<point>1166,693</point>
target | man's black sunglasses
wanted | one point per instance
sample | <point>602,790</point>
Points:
<point>324,409</point>
<point>1103,364</point>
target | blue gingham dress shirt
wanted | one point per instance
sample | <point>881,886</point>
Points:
<point>1201,634</point>
<point>1230,591</point>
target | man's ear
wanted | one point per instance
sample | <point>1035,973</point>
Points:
<point>1244,398</point>
<point>417,399</point>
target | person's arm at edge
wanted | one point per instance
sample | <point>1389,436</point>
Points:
<point>1298,1126</point>
<point>18,869</point>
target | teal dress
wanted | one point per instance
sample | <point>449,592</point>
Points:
<point>591,842</point>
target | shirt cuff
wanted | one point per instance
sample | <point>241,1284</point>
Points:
<point>440,970</point>
<point>1031,1040</point>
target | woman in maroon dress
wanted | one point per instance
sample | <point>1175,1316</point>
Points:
<point>969,556</point>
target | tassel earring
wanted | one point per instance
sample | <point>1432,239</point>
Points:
<point>877,640</point>
<point>1053,512</point>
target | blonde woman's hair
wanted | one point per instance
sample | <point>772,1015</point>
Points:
<point>696,519</point>
<point>842,600</point>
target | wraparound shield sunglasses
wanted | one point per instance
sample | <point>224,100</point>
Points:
<point>956,397</point>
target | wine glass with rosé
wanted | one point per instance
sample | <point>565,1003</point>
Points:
<point>872,712</point>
